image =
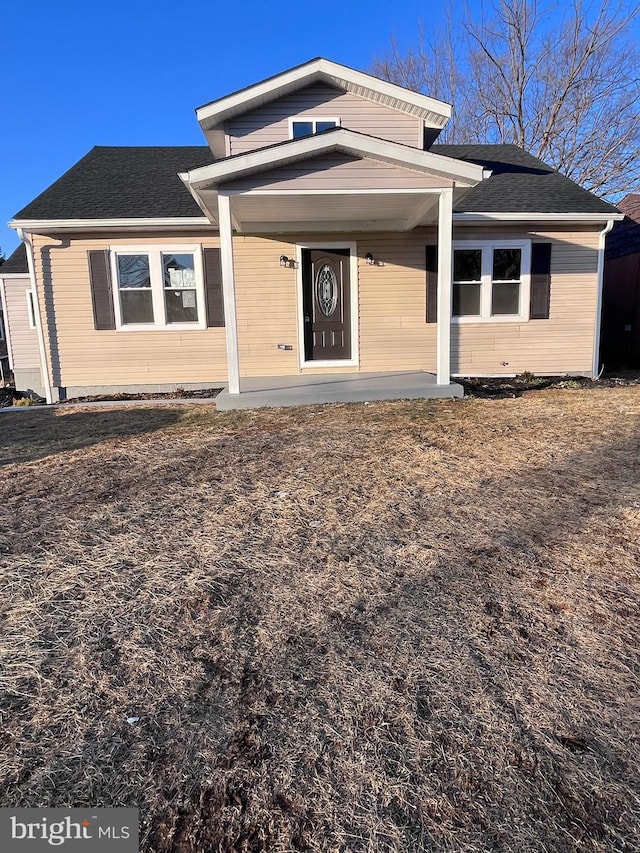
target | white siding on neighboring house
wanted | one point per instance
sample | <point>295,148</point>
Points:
<point>22,338</point>
<point>269,124</point>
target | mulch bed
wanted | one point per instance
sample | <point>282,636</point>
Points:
<point>178,394</point>
<point>517,386</point>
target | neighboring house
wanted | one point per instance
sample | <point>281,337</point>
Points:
<point>3,342</point>
<point>320,232</point>
<point>16,301</point>
<point>621,296</point>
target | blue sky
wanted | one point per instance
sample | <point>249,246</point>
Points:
<point>79,74</point>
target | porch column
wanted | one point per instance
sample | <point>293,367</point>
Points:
<point>443,331</point>
<point>229,291</point>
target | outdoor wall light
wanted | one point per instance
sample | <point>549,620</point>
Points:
<point>288,262</point>
<point>373,262</point>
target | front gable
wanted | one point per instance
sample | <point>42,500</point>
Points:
<point>271,123</point>
<point>338,180</point>
<point>246,118</point>
<point>337,171</point>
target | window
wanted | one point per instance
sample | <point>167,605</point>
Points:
<point>158,288</point>
<point>491,281</point>
<point>299,127</point>
<point>31,310</point>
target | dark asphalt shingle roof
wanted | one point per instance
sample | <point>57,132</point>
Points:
<point>142,182</point>
<point>16,262</point>
<point>122,183</point>
<point>520,183</point>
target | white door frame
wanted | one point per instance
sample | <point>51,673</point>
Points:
<point>353,271</point>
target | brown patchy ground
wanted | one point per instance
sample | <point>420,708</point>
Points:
<point>393,627</point>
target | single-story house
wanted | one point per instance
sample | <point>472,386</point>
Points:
<point>322,235</point>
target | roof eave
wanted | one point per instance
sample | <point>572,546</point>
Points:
<point>128,224</point>
<point>464,218</point>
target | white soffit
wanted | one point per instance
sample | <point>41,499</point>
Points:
<point>433,112</point>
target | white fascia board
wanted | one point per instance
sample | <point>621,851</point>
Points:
<point>212,215</point>
<point>335,140</point>
<point>476,218</point>
<point>86,224</point>
<point>431,110</point>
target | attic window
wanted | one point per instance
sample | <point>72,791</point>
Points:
<point>299,127</point>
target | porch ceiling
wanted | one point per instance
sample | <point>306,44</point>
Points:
<point>334,211</point>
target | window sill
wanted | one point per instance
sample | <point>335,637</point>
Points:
<point>173,327</point>
<point>462,321</point>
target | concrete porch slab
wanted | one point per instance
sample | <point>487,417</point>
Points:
<point>304,390</point>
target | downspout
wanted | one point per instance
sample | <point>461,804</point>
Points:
<point>44,364</point>
<point>596,341</point>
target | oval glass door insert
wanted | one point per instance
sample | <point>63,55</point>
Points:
<point>326,290</point>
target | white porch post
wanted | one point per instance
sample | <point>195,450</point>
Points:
<point>229,291</point>
<point>443,331</point>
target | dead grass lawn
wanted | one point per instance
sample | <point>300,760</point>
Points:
<point>387,627</point>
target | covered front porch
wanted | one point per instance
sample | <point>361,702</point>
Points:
<point>304,390</point>
<point>332,208</point>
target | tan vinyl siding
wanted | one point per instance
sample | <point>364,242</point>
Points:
<point>338,171</point>
<point>266,307</point>
<point>269,124</point>
<point>24,353</point>
<point>81,356</point>
<point>561,344</point>
<point>393,332</point>
<point>392,329</point>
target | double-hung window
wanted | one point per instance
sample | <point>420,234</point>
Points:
<point>308,126</point>
<point>491,281</point>
<point>158,287</point>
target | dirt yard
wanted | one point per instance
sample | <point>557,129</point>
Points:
<point>387,627</point>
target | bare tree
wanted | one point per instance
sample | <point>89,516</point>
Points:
<point>564,86</point>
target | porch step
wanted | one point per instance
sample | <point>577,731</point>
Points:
<point>304,390</point>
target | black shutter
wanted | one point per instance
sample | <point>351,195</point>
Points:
<point>432,284</point>
<point>213,287</point>
<point>540,281</point>
<point>101,290</point>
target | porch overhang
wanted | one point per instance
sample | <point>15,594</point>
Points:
<point>330,204</point>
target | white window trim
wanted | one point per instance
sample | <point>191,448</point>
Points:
<point>354,361</point>
<point>157,289</point>
<point>487,247</point>
<point>314,119</point>
<point>31,308</point>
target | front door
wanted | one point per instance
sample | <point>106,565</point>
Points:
<point>326,304</point>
